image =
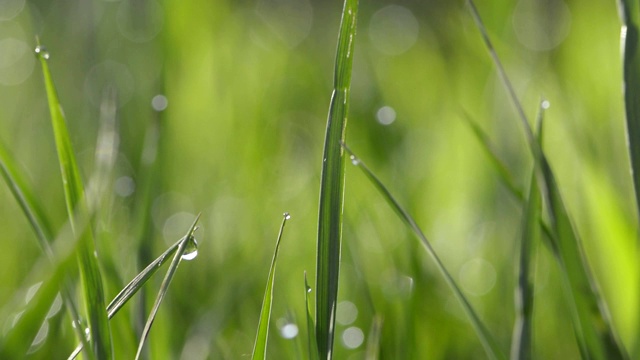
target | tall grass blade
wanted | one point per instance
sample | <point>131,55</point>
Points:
<point>99,332</point>
<point>490,345</point>
<point>630,36</point>
<point>332,186</point>
<point>592,325</point>
<point>189,240</point>
<point>311,327</point>
<point>522,341</point>
<point>260,345</point>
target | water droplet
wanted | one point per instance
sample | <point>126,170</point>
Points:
<point>309,289</point>
<point>42,52</point>
<point>289,331</point>
<point>545,104</point>
<point>354,160</point>
<point>287,216</point>
<point>191,251</point>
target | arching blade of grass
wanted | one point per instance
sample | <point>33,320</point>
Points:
<point>99,332</point>
<point>490,345</point>
<point>332,186</point>
<point>311,327</point>
<point>189,241</point>
<point>260,345</point>
<point>630,14</point>
<point>595,336</point>
<point>134,285</point>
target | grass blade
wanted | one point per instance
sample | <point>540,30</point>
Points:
<point>595,336</point>
<point>631,65</point>
<point>134,285</point>
<point>189,240</point>
<point>311,327</point>
<point>260,345</point>
<point>99,332</point>
<point>373,341</point>
<point>332,186</point>
<point>490,345</point>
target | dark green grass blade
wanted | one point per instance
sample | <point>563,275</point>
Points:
<point>521,344</point>
<point>522,341</point>
<point>490,345</point>
<point>332,186</point>
<point>99,332</point>
<point>260,345</point>
<point>311,327</point>
<point>189,240</point>
<point>629,12</point>
<point>134,285</point>
<point>595,335</point>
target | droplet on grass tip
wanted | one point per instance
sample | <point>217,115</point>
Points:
<point>545,104</point>
<point>42,52</point>
<point>287,216</point>
<point>191,251</point>
<point>354,160</point>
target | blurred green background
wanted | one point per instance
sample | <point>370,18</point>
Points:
<point>221,109</point>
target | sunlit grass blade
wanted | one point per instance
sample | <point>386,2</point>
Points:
<point>490,345</point>
<point>592,325</point>
<point>373,340</point>
<point>311,327</point>
<point>629,12</point>
<point>99,332</point>
<point>260,345</point>
<point>189,240</point>
<point>332,186</point>
<point>134,285</point>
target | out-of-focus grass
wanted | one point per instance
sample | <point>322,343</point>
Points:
<point>247,92</point>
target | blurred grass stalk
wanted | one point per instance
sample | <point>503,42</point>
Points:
<point>332,186</point>
<point>591,321</point>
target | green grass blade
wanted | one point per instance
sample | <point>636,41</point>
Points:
<point>631,65</point>
<point>595,336</point>
<point>260,345</point>
<point>99,332</point>
<point>31,208</point>
<point>134,285</point>
<point>311,327</point>
<point>189,240</point>
<point>498,164</point>
<point>373,340</point>
<point>332,186</point>
<point>521,344</point>
<point>490,345</point>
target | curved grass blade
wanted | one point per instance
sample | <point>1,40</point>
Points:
<point>189,240</point>
<point>332,186</point>
<point>490,345</point>
<point>134,285</point>
<point>594,333</point>
<point>630,36</point>
<point>311,328</point>
<point>99,331</point>
<point>260,345</point>
<point>373,341</point>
